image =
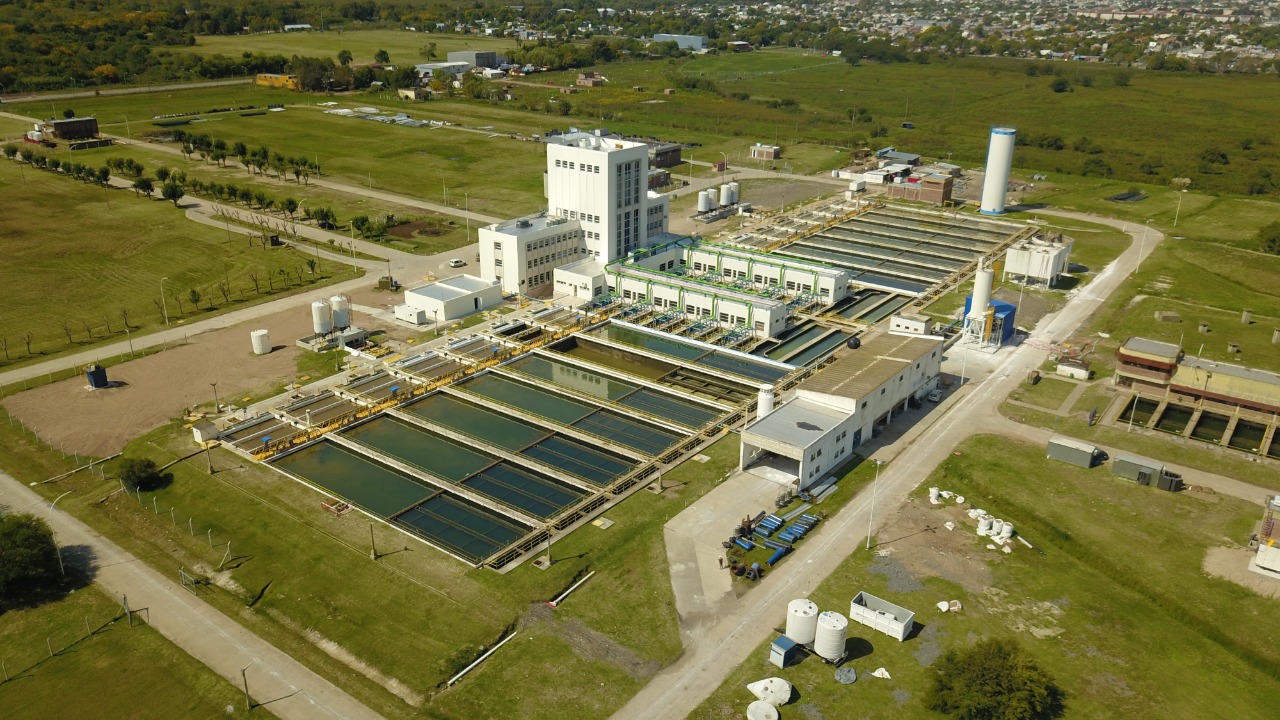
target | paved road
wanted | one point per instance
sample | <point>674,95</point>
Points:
<point>133,90</point>
<point>292,690</point>
<point>683,685</point>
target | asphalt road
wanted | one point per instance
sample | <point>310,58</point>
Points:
<point>282,685</point>
<point>132,90</point>
<point>683,685</point>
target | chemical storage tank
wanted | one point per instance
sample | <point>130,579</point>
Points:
<point>802,621</point>
<point>261,342</point>
<point>982,281</point>
<point>341,311</point>
<point>764,402</point>
<point>704,203</point>
<point>321,320</point>
<point>726,194</point>
<point>97,376</point>
<point>713,200</point>
<point>832,632</point>
<point>733,195</point>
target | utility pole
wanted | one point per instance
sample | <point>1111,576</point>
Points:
<point>875,488</point>
<point>373,545</point>
<point>244,678</point>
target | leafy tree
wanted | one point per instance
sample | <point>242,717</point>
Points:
<point>1122,78</point>
<point>140,474</point>
<point>143,185</point>
<point>1214,156</point>
<point>103,175</point>
<point>28,556</point>
<point>162,174</point>
<point>1095,166</point>
<point>10,151</point>
<point>173,192</point>
<point>68,113</point>
<point>344,57</point>
<point>1269,238</point>
<point>993,679</point>
<point>289,205</point>
<point>382,57</point>
<point>194,296</point>
<point>1060,85</point>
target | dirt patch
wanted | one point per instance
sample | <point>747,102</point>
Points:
<point>917,540</point>
<point>1040,619</point>
<point>419,228</point>
<point>928,649</point>
<point>589,644</point>
<point>154,389</point>
<point>1031,307</point>
<point>899,578</point>
<point>1232,563</point>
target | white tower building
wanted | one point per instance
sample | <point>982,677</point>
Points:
<point>999,163</point>
<point>598,208</point>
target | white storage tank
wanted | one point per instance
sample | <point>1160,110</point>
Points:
<point>764,402</point>
<point>712,199</point>
<point>733,194</point>
<point>321,320</point>
<point>832,632</point>
<point>704,203</point>
<point>802,621</point>
<point>261,342</point>
<point>341,311</point>
<point>999,162</point>
<point>726,194</point>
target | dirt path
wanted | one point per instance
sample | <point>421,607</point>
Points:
<point>280,684</point>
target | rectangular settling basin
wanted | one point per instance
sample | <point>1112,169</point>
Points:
<point>695,354</point>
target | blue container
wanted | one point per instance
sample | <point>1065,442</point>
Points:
<point>777,556</point>
<point>811,518</point>
<point>776,545</point>
<point>97,376</point>
<point>786,537</point>
<point>760,532</point>
<point>744,544</point>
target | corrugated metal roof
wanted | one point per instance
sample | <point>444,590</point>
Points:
<point>857,373</point>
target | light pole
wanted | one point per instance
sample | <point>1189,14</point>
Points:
<point>724,167</point>
<point>1178,210</point>
<point>214,385</point>
<point>435,315</point>
<point>875,489</point>
<point>55,500</point>
<point>164,304</point>
<point>1142,245</point>
<point>466,212</point>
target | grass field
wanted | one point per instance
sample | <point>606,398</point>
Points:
<point>119,671</point>
<point>77,253</point>
<point>1119,599</point>
<point>1049,393</point>
<point>381,615</point>
<point>403,46</point>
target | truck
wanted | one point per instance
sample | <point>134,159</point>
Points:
<point>1076,452</point>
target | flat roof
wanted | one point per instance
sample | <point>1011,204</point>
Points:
<point>534,223</point>
<point>1239,371</point>
<point>798,423</point>
<point>453,287</point>
<point>1152,347</point>
<point>1073,443</point>
<point>855,374</point>
<point>588,266</point>
<point>702,287</point>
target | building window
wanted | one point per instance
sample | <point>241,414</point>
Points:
<point>497,246</point>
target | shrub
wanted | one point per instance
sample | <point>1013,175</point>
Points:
<point>993,679</point>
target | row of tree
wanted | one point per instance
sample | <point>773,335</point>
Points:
<point>259,159</point>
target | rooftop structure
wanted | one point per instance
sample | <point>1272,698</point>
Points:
<point>1038,260</point>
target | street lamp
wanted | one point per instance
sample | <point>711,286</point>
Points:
<point>723,167</point>
<point>1142,245</point>
<point>875,488</point>
<point>55,500</point>
<point>214,385</point>
<point>164,304</point>
<point>1178,211</point>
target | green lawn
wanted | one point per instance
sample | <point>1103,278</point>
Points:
<point>79,254</point>
<point>403,46</point>
<point>118,672</point>
<point>1118,592</point>
<point>1049,393</point>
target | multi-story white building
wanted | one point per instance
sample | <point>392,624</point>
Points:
<point>598,207</point>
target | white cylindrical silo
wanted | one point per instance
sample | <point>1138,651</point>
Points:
<point>704,203</point>
<point>261,342</point>
<point>726,194</point>
<point>321,320</point>
<point>999,163</point>
<point>832,632</point>
<point>802,621</point>
<point>341,311</point>
<point>982,281</point>
<point>713,199</point>
<point>764,404</point>
<point>733,195</point>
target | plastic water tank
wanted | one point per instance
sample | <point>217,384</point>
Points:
<point>321,320</point>
<point>802,621</point>
<point>341,311</point>
<point>761,710</point>
<point>261,342</point>
<point>712,199</point>
<point>733,186</point>
<point>704,203</point>
<point>832,631</point>
<point>726,194</point>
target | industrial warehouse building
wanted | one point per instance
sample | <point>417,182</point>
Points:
<point>694,43</point>
<point>839,407</point>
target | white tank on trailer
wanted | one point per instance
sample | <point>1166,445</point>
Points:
<point>802,621</point>
<point>261,340</point>
<point>341,306</point>
<point>832,632</point>
<point>321,320</point>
